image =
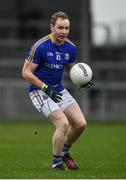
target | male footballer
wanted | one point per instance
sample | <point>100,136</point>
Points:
<point>44,66</point>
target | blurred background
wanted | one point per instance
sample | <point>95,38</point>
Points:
<point>98,28</point>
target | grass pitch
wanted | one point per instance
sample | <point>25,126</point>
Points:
<point>25,151</point>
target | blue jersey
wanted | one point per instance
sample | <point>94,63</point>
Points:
<point>51,60</point>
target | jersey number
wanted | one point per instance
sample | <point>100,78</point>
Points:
<point>58,57</point>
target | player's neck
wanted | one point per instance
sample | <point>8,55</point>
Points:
<point>56,41</point>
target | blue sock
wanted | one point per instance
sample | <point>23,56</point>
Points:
<point>66,149</point>
<point>57,159</point>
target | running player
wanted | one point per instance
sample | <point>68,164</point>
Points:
<point>44,66</point>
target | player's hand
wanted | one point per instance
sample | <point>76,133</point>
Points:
<point>86,86</point>
<point>54,95</point>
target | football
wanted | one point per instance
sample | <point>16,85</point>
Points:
<point>81,74</point>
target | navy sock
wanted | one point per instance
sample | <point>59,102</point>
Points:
<point>57,159</point>
<point>66,149</point>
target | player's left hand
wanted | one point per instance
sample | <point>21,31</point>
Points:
<point>54,95</point>
<point>86,86</point>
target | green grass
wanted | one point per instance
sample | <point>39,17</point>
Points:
<point>100,151</point>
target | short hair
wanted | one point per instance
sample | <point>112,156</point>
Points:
<point>59,14</point>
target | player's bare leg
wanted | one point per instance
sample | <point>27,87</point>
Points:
<point>61,124</point>
<point>78,123</point>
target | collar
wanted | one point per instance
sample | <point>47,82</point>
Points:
<point>52,38</point>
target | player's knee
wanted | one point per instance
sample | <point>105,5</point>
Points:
<point>64,126</point>
<point>84,123</point>
<point>81,125</point>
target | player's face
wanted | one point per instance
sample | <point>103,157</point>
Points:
<point>60,30</point>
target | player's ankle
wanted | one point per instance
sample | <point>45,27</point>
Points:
<point>57,160</point>
<point>66,149</point>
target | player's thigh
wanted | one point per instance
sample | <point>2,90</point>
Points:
<point>49,108</point>
<point>75,115</point>
<point>59,119</point>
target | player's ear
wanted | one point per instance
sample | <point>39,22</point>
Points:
<point>51,27</point>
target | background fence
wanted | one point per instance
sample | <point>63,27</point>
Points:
<point>106,100</point>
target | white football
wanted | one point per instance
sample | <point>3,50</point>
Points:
<point>81,74</point>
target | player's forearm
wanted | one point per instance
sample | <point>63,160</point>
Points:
<point>68,67</point>
<point>30,77</point>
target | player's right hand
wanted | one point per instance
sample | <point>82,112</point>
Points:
<point>54,95</point>
<point>86,86</point>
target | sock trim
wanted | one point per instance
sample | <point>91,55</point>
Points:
<point>67,146</point>
<point>56,156</point>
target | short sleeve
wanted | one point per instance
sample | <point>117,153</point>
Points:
<point>73,56</point>
<point>34,54</point>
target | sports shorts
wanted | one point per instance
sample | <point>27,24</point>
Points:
<point>44,104</point>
